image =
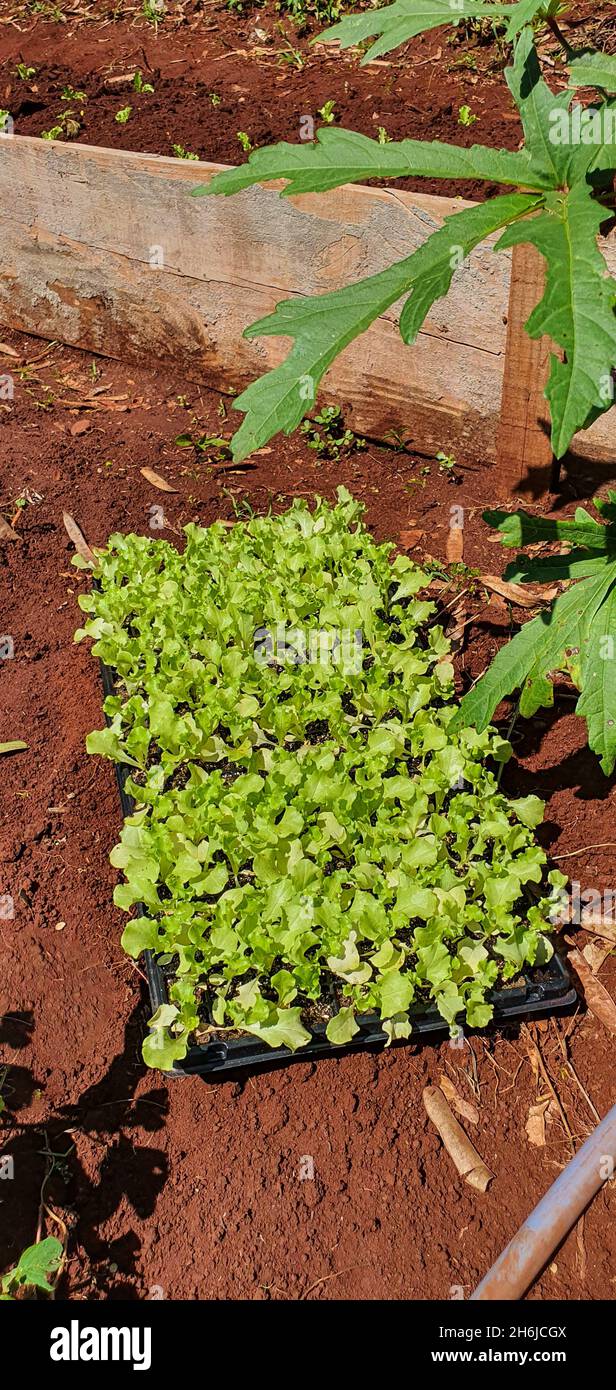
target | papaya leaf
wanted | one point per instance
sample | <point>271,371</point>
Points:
<point>539,111</point>
<point>403,20</point>
<point>576,311</point>
<point>523,528</point>
<point>566,170</point>
<point>341,156</point>
<point>564,145</point>
<point>545,644</point>
<point>525,12</point>
<point>576,635</point>
<point>594,70</point>
<point>547,569</point>
<point>606,506</point>
<point>323,325</point>
<point>597,702</point>
<point>460,233</point>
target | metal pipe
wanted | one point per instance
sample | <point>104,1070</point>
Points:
<point>549,1223</point>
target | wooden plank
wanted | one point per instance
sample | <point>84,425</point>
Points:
<point>524,453</point>
<point>106,250</point>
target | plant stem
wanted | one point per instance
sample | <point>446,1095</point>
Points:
<point>558,34</point>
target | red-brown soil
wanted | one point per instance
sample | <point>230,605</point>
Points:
<point>193,1188</point>
<point>416,91</point>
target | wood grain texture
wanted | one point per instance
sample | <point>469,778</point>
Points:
<point>524,451</point>
<point>106,250</point>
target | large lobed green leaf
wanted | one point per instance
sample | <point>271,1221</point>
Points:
<point>576,310</point>
<point>543,645</point>
<point>344,156</point>
<point>597,702</point>
<point>526,12</point>
<point>594,70</point>
<point>576,635</point>
<point>564,168</point>
<point>403,20</point>
<point>524,528</point>
<point>559,150</point>
<point>323,325</point>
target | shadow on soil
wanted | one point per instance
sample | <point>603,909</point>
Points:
<point>581,478</point>
<point>84,1163</point>
<point>578,771</point>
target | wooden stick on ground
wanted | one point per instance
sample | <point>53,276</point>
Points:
<point>524,454</point>
<point>468,1162</point>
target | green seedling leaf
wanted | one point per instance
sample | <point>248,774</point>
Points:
<point>350,967</point>
<point>342,1027</point>
<point>287,1031</point>
<point>139,935</point>
<point>396,993</point>
<point>35,1266</point>
<point>396,1028</point>
<point>529,809</point>
<point>15,745</point>
<point>163,1047</point>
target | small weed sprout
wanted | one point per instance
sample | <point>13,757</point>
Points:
<point>466,117</point>
<point>66,127</point>
<point>328,435</point>
<point>143,88</point>
<point>446,462</point>
<point>33,1270</point>
<point>326,112</point>
<point>71,95</point>
<point>154,11</point>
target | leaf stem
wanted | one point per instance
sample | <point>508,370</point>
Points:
<point>558,34</point>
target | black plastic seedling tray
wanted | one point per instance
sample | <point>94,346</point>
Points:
<point>539,993</point>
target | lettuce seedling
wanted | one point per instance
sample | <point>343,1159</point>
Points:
<point>309,830</point>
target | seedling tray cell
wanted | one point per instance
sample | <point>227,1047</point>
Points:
<point>538,993</point>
